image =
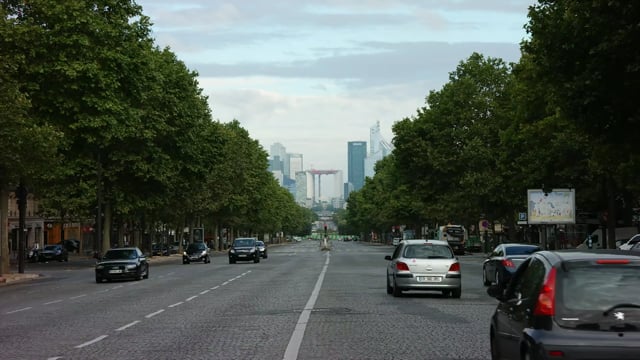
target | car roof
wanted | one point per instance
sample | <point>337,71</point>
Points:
<point>123,248</point>
<point>519,244</point>
<point>424,241</point>
<point>558,256</point>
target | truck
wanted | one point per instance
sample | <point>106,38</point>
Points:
<point>455,235</point>
<point>594,240</point>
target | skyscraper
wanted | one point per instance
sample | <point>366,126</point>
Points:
<point>356,153</point>
<point>379,149</point>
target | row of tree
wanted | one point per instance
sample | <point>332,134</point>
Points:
<point>564,116</point>
<point>96,118</point>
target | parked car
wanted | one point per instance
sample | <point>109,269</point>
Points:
<point>197,251</point>
<point>122,263</point>
<point>424,265</point>
<point>72,245</point>
<point>577,304</point>
<point>504,260</point>
<point>53,252</point>
<point>263,249</point>
<point>159,250</point>
<point>635,239</point>
<point>244,249</point>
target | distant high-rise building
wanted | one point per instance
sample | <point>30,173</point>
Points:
<point>295,165</point>
<point>356,153</point>
<point>379,149</point>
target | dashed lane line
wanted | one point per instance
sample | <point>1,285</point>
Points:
<point>148,316</point>
<point>99,338</point>
<point>128,325</point>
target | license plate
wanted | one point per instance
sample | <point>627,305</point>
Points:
<point>242,255</point>
<point>429,278</point>
<point>115,271</point>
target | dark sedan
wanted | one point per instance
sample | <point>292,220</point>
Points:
<point>122,263</point>
<point>569,304</point>
<point>53,252</point>
<point>244,249</point>
<point>504,260</point>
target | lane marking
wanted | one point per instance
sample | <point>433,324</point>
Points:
<point>77,297</point>
<point>176,304</point>
<point>204,292</point>
<point>225,283</point>
<point>215,287</point>
<point>191,298</point>
<point>153,314</point>
<point>128,325</point>
<point>53,302</point>
<point>91,342</point>
<point>15,311</point>
<point>298,333</point>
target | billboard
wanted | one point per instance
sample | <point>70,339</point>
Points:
<point>555,207</point>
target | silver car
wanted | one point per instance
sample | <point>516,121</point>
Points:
<point>424,265</point>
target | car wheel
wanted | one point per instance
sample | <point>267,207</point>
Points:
<point>265,255</point>
<point>185,262</point>
<point>256,259</point>
<point>139,275</point>
<point>98,279</point>
<point>389,288</point>
<point>396,290</point>
<point>207,260</point>
<point>456,293</point>
<point>485,281</point>
<point>231,261</point>
<point>146,273</point>
<point>497,278</point>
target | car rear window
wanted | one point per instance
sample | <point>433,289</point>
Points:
<point>520,250</point>
<point>427,251</point>
<point>244,242</point>
<point>586,290</point>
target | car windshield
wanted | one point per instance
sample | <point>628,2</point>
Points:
<point>51,247</point>
<point>196,247</point>
<point>244,242</point>
<point>520,250</point>
<point>260,243</point>
<point>120,255</point>
<point>585,292</point>
<point>427,251</point>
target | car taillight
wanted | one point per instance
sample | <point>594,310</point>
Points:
<point>508,263</point>
<point>612,261</point>
<point>545,305</point>
<point>454,267</point>
<point>402,266</point>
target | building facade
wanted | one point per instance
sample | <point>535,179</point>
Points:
<point>356,154</point>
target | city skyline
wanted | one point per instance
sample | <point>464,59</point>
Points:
<point>315,74</point>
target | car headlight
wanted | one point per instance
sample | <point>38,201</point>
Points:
<point>185,253</point>
<point>203,253</point>
<point>232,251</point>
<point>253,250</point>
<point>99,267</point>
<point>131,266</point>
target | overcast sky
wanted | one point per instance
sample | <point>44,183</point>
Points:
<point>315,74</point>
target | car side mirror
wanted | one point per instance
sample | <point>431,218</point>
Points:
<point>388,257</point>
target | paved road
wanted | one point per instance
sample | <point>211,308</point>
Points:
<point>300,303</point>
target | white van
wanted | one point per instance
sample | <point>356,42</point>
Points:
<point>622,235</point>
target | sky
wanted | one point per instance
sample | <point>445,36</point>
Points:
<point>316,74</point>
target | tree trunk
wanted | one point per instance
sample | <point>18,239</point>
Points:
<point>106,230</point>
<point>4,236</point>
<point>611,213</point>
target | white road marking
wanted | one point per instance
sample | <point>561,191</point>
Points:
<point>153,314</point>
<point>204,292</point>
<point>191,298</point>
<point>128,325</point>
<point>91,342</point>
<point>225,283</point>
<point>116,287</point>
<point>176,304</point>
<point>53,302</point>
<point>77,297</point>
<point>215,287</point>
<point>15,311</point>
<point>55,358</point>
<point>298,333</point>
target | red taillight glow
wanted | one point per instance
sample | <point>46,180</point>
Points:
<point>612,261</point>
<point>454,267</point>
<point>508,263</point>
<point>547,297</point>
<point>555,353</point>
<point>402,266</point>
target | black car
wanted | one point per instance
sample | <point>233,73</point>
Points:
<point>263,249</point>
<point>122,263</point>
<point>569,304</point>
<point>197,251</point>
<point>244,249</point>
<point>504,260</point>
<point>72,245</point>
<point>53,252</point>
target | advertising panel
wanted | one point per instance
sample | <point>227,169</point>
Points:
<point>555,207</point>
